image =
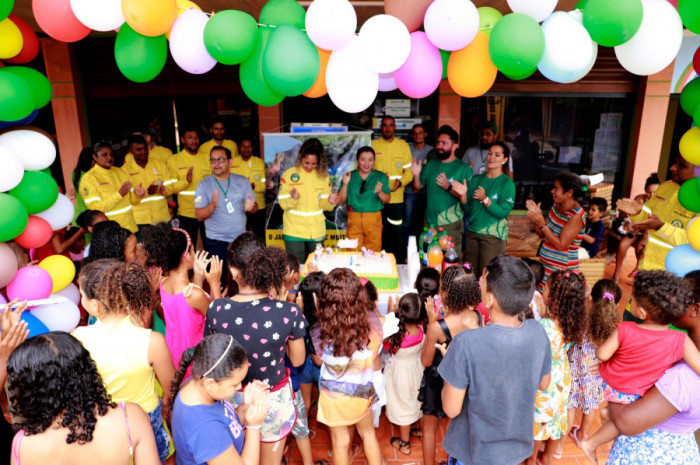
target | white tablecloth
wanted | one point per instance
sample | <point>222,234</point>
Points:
<point>405,286</point>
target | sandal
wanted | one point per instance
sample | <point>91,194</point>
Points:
<point>402,446</point>
<point>356,449</point>
<point>573,434</point>
<point>322,462</point>
<point>417,433</point>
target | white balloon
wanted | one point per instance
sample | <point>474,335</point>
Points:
<point>58,317</point>
<point>187,42</point>
<point>60,214</point>
<point>351,86</point>
<point>98,15</point>
<point>34,149</point>
<point>12,169</point>
<point>331,24</point>
<point>568,48</point>
<point>539,10</point>
<point>656,43</point>
<point>387,82</point>
<point>451,24</point>
<point>70,292</point>
<point>384,43</point>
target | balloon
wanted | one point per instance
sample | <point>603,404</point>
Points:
<point>538,10</point>
<point>387,83</point>
<point>410,12</point>
<point>57,19</point>
<point>230,36</point>
<point>384,43</point>
<point>70,292</point>
<point>568,50</point>
<point>689,195</point>
<point>37,191</point>
<point>689,146</point>
<point>251,74</point>
<point>451,24</point>
<point>488,17</point>
<point>30,42</point>
<point>470,71</point>
<point>60,214</point>
<point>656,43</point>
<point>37,233</point>
<point>61,269</point>
<point>690,96</point>
<point>331,24</point>
<point>612,23</point>
<point>10,39</point>
<point>16,96</point>
<point>276,12</point>
<point>139,58</point>
<point>150,18</point>
<point>13,217</point>
<point>696,61</point>
<point>516,45</point>
<point>63,316</point>
<point>187,43</point>
<point>421,74</point>
<point>682,259</point>
<point>8,264</point>
<point>32,147</point>
<point>352,87</point>
<point>21,122</point>
<point>690,14</point>
<point>319,88</point>
<point>290,61</point>
<point>6,8</point>
<point>30,283</point>
<point>182,6</point>
<point>41,87</point>
<point>445,56</point>
<point>693,233</point>
<point>99,15</point>
<point>34,325</point>
<point>12,169</point>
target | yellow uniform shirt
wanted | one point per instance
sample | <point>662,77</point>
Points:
<point>394,159</point>
<point>100,190</point>
<point>178,166</point>
<point>150,209</point>
<point>303,217</point>
<point>254,171</point>
<point>210,144</point>
<point>156,153</point>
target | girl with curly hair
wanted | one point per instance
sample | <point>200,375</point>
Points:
<point>64,412</point>
<point>110,240</point>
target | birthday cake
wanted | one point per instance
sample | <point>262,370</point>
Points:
<point>380,269</point>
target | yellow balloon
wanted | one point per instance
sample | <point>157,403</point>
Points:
<point>689,146</point>
<point>150,17</point>
<point>61,269</point>
<point>182,6</point>
<point>11,40</point>
<point>693,231</point>
<point>470,71</point>
<point>319,88</point>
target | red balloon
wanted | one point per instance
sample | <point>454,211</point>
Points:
<point>696,61</point>
<point>37,233</point>
<point>410,12</point>
<point>30,48</point>
<point>56,18</point>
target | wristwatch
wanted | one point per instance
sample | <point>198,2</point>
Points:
<point>449,188</point>
<point>486,201</point>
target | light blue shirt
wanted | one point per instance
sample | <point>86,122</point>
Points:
<point>224,225</point>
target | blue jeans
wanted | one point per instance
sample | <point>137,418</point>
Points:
<point>162,436</point>
<point>413,213</point>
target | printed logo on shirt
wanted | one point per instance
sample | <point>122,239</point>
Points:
<point>256,177</point>
<point>103,183</point>
<point>495,197</point>
<point>398,164</point>
<point>295,177</point>
<point>85,191</point>
<point>677,223</point>
<point>198,199</point>
<point>510,200</point>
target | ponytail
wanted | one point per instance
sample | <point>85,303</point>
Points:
<point>408,312</point>
<point>185,362</point>
<point>604,315</point>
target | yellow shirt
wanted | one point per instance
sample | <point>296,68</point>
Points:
<point>254,171</point>
<point>229,144</point>
<point>100,190</point>
<point>156,153</point>
<point>303,217</point>
<point>178,166</point>
<point>150,209</point>
<point>394,159</point>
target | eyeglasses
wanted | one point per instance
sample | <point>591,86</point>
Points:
<point>217,160</point>
<point>363,184</point>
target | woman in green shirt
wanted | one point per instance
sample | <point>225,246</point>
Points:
<point>491,198</point>
<point>366,191</point>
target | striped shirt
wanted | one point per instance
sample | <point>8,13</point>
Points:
<point>552,258</point>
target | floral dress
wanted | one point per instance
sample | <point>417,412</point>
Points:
<point>551,404</point>
<point>586,388</point>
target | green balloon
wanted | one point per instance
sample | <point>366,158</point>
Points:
<point>488,17</point>
<point>277,12</point>
<point>139,58</point>
<point>520,76</point>
<point>251,74</point>
<point>6,8</point>
<point>516,45</point>
<point>16,97</point>
<point>230,36</point>
<point>445,56</point>
<point>690,97</point>
<point>37,191</point>
<point>690,14</point>
<point>290,63</point>
<point>38,82</point>
<point>13,217</point>
<point>689,195</point>
<point>612,23</point>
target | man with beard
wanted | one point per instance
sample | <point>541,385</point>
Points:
<point>218,132</point>
<point>476,156</point>
<point>445,179</point>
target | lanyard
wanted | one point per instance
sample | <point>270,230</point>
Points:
<point>228,185</point>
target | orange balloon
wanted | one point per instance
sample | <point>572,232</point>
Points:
<point>470,71</point>
<point>150,18</point>
<point>319,87</point>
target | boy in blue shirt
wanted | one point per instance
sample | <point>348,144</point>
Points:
<point>595,228</point>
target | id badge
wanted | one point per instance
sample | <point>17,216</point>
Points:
<point>482,169</point>
<point>229,207</point>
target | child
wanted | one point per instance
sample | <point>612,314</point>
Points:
<point>306,300</point>
<point>595,228</point>
<point>403,371</point>
<point>292,279</point>
<point>635,355</point>
<point>537,303</point>
<point>461,294</point>
<point>428,287</point>
<point>492,374</point>
<point>565,323</point>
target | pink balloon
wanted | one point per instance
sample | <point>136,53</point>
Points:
<point>37,233</point>
<point>8,264</point>
<point>696,61</point>
<point>56,18</point>
<point>30,283</point>
<point>420,75</point>
<point>674,3</point>
<point>386,82</point>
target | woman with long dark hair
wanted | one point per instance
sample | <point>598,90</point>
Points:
<point>85,162</point>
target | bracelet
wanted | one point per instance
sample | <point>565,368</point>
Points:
<point>485,201</point>
<point>542,227</point>
<point>449,188</point>
<point>253,426</point>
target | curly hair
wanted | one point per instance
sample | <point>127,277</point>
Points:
<point>240,250</point>
<point>120,287</point>
<point>164,247</point>
<point>409,313</point>
<point>664,297</point>
<point>108,240</point>
<point>312,147</point>
<point>307,288</point>
<point>343,312</point>
<point>692,279</point>
<point>604,314</point>
<point>461,289</point>
<point>567,303</point>
<point>50,377</point>
<point>266,269</point>
<point>137,288</point>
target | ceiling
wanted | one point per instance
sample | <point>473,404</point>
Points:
<point>364,8</point>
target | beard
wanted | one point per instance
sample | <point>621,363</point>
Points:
<point>442,155</point>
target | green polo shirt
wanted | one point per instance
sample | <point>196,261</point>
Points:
<point>443,208</point>
<point>494,219</point>
<point>368,201</point>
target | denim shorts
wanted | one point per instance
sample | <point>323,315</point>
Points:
<point>309,372</point>
<point>159,431</point>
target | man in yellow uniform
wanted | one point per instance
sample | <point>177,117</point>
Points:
<point>253,169</point>
<point>107,188</point>
<point>155,152</point>
<point>393,158</point>
<point>187,168</point>
<point>218,131</point>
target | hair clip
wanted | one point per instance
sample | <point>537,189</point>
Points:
<point>566,275</point>
<point>468,266</point>
<point>584,188</point>
<point>172,204</point>
<point>609,296</point>
<point>189,241</point>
